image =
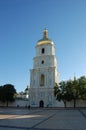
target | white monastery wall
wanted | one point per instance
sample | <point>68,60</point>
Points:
<point>20,103</point>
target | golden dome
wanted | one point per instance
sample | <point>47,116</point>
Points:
<point>45,39</point>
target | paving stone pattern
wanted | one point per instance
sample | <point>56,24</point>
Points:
<point>42,119</point>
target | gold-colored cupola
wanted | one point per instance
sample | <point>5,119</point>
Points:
<point>45,39</point>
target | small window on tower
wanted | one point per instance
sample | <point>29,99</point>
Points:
<point>43,50</point>
<point>42,62</point>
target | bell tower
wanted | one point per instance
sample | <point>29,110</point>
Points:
<point>44,74</point>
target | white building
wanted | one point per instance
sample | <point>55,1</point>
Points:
<point>44,74</point>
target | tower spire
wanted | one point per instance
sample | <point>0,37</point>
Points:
<point>45,33</point>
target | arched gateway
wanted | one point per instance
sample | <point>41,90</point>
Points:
<point>41,103</point>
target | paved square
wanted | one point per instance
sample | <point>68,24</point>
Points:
<point>42,119</point>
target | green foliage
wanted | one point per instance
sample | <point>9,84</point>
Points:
<point>71,90</point>
<point>7,93</point>
<point>64,91</point>
<point>82,87</point>
<point>1,93</point>
<point>57,92</point>
<point>75,89</point>
<point>27,88</point>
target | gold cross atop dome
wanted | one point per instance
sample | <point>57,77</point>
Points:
<point>45,39</point>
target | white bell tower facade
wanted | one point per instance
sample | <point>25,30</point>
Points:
<point>44,74</point>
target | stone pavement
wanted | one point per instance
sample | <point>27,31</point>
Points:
<point>42,119</point>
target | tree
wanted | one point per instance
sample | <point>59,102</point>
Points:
<point>82,87</point>
<point>71,90</point>
<point>60,92</point>
<point>57,92</point>
<point>27,88</point>
<point>75,90</point>
<point>64,91</point>
<point>7,93</point>
<point>0,93</point>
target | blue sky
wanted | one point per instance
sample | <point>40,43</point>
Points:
<point>21,26</point>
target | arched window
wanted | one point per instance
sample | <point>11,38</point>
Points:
<point>42,61</point>
<point>42,80</point>
<point>43,51</point>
